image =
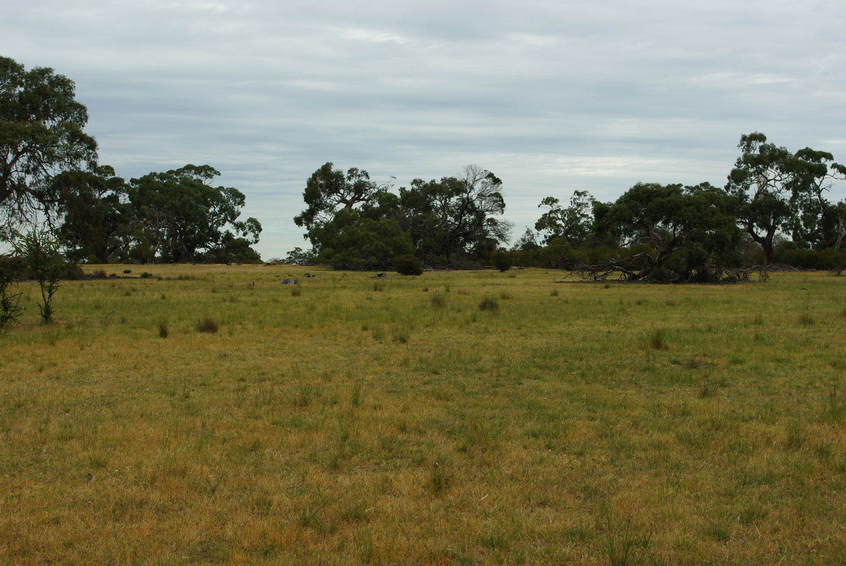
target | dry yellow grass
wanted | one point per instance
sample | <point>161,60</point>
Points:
<point>353,424</point>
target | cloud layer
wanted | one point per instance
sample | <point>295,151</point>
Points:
<point>552,96</point>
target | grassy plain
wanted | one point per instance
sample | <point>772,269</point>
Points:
<point>355,421</point>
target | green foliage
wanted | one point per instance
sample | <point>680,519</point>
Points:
<point>10,309</point>
<point>573,224</point>
<point>40,253</point>
<point>329,190</point>
<point>456,216</point>
<point>177,214</point>
<point>96,218</point>
<point>353,223</point>
<point>208,325</point>
<point>351,241</point>
<point>489,304</point>
<point>41,135</point>
<point>298,256</point>
<point>502,260</point>
<point>774,189</point>
<point>408,264</point>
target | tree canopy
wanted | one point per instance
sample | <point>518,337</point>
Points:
<point>778,190</point>
<point>41,135</point>
<point>354,223</point>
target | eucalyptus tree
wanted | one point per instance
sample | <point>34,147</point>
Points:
<point>328,191</point>
<point>675,232</point>
<point>573,223</point>
<point>177,214</point>
<point>95,215</point>
<point>776,190</point>
<point>41,135</point>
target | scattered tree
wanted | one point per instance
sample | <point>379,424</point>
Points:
<point>574,223</point>
<point>44,263</point>
<point>95,215</point>
<point>176,215</point>
<point>41,135</point>
<point>408,264</point>
<point>775,190</point>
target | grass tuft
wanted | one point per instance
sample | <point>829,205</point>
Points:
<point>489,304</point>
<point>657,339</point>
<point>438,300</point>
<point>208,325</point>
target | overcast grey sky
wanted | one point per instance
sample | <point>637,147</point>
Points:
<point>550,96</point>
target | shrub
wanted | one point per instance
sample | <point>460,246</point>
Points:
<point>163,330</point>
<point>44,264</point>
<point>502,260</point>
<point>439,479</point>
<point>438,301</point>
<point>408,264</point>
<point>207,325</point>
<point>489,304</point>
<point>10,309</point>
<point>658,340</point>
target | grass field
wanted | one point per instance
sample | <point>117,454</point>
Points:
<point>358,421</point>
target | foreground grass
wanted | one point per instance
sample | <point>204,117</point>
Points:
<point>396,422</point>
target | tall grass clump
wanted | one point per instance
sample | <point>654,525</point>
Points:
<point>624,544</point>
<point>438,301</point>
<point>489,304</point>
<point>439,479</point>
<point>208,325</point>
<point>657,340</point>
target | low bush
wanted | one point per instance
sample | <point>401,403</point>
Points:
<point>489,304</point>
<point>408,264</point>
<point>208,325</point>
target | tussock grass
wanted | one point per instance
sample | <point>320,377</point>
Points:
<point>657,339</point>
<point>489,304</point>
<point>308,432</point>
<point>208,325</point>
<point>438,300</point>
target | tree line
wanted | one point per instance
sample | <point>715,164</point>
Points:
<point>355,223</point>
<point>50,178</point>
<point>773,207</point>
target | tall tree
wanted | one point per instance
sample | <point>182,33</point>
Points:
<point>41,135</point>
<point>329,190</point>
<point>456,215</point>
<point>777,190</point>
<point>573,223</point>
<point>675,233</point>
<point>95,215</point>
<point>177,214</point>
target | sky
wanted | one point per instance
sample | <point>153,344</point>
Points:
<point>551,96</point>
